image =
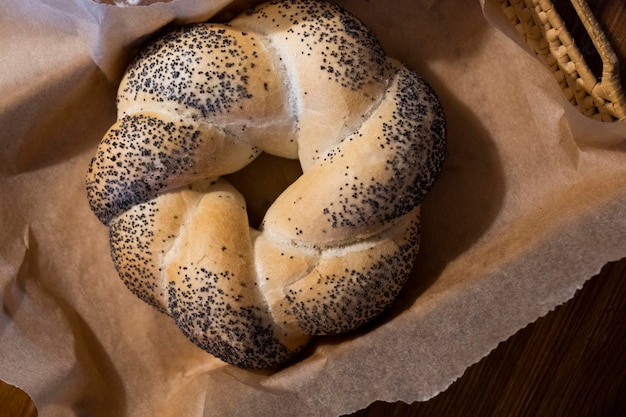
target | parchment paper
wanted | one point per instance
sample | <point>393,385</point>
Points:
<point>531,203</point>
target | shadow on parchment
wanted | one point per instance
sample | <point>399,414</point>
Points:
<point>64,119</point>
<point>461,206</point>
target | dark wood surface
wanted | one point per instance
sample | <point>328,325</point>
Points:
<point>15,403</point>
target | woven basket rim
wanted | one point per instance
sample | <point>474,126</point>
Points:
<point>541,26</point>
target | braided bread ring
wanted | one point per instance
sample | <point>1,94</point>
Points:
<point>297,79</point>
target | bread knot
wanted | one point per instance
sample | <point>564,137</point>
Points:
<point>297,79</point>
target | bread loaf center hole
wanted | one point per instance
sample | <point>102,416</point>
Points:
<point>262,181</point>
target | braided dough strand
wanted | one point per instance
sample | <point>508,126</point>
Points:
<point>296,79</point>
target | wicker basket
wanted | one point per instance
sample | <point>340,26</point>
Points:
<point>543,29</point>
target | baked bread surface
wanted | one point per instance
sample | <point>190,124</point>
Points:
<point>296,79</point>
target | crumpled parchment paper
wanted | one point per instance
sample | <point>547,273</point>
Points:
<point>531,203</point>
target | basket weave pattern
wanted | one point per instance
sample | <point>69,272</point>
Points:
<point>543,29</point>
